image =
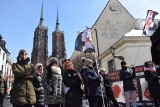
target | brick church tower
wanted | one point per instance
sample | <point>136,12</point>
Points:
<point>40,43</point>
<point>58,42</point>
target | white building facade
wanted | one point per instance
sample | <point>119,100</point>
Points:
<point>6,64</point>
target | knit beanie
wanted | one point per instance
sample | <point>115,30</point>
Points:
<point>21,51</point>
<point>102,70</point>
<point>87,62</point>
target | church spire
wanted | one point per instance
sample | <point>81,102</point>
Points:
<point>41,19</point>
<point>57,21</point>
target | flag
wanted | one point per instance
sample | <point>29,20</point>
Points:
<point>84,42</point>
<point>150,26</point>
<point>155,47</point>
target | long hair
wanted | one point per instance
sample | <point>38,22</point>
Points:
<point>49,71</point>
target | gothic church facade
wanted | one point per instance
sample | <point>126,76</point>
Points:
<point>40,43</point>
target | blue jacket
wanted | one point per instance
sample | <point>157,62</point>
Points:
<point>92,82</point>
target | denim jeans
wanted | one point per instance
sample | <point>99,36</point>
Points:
<point>131,93</point>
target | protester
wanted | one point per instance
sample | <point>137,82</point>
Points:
<point>127,75</point>
<point>72,81</point>
<point>153,84</point>
<point>108,88</point>
<point>3,88</point>
<point>38,85</point>
<point>92,82</point>
<point>22,92</point>
<point>52,83</point>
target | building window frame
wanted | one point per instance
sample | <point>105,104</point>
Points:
<point>3,56</point>
<point>111,65</point>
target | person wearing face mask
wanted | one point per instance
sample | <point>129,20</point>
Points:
<point>52,83</point>
<point>22,92</point>
<point>38,86</point>
<point>127,75</point>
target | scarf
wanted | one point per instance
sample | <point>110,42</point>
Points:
<point>149,69</point>
<point>23,62</point>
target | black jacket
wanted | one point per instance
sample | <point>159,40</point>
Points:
<point>73,98</point>
<point>155,51</point>
<point>127,75</point>
<point>39,90</point>
<point>107,84</point>
<point>153,83</point>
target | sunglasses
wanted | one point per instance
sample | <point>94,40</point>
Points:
<point>39,67</point>
<point>69,65</point>
<point>66,60</point>
<point>24,53</point>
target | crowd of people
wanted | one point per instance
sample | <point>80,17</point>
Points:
<point>54,86</point>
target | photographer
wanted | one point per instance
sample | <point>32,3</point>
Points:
<point>108,88</point>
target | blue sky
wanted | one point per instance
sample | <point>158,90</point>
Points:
<point>19,18</point>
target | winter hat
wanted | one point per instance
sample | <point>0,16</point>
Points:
<point>66,64</point>
<point>37,65</point>
<point>87,62</point>
<point>53,60</point>
<point>102,70</point>
<point>21,51</point>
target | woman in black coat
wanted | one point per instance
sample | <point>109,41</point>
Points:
<point>72,83</point>
<point>153,84</point>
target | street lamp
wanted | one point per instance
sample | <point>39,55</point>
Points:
<point>112,50</point>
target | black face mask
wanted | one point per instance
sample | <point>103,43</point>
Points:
<point>124,67</point>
